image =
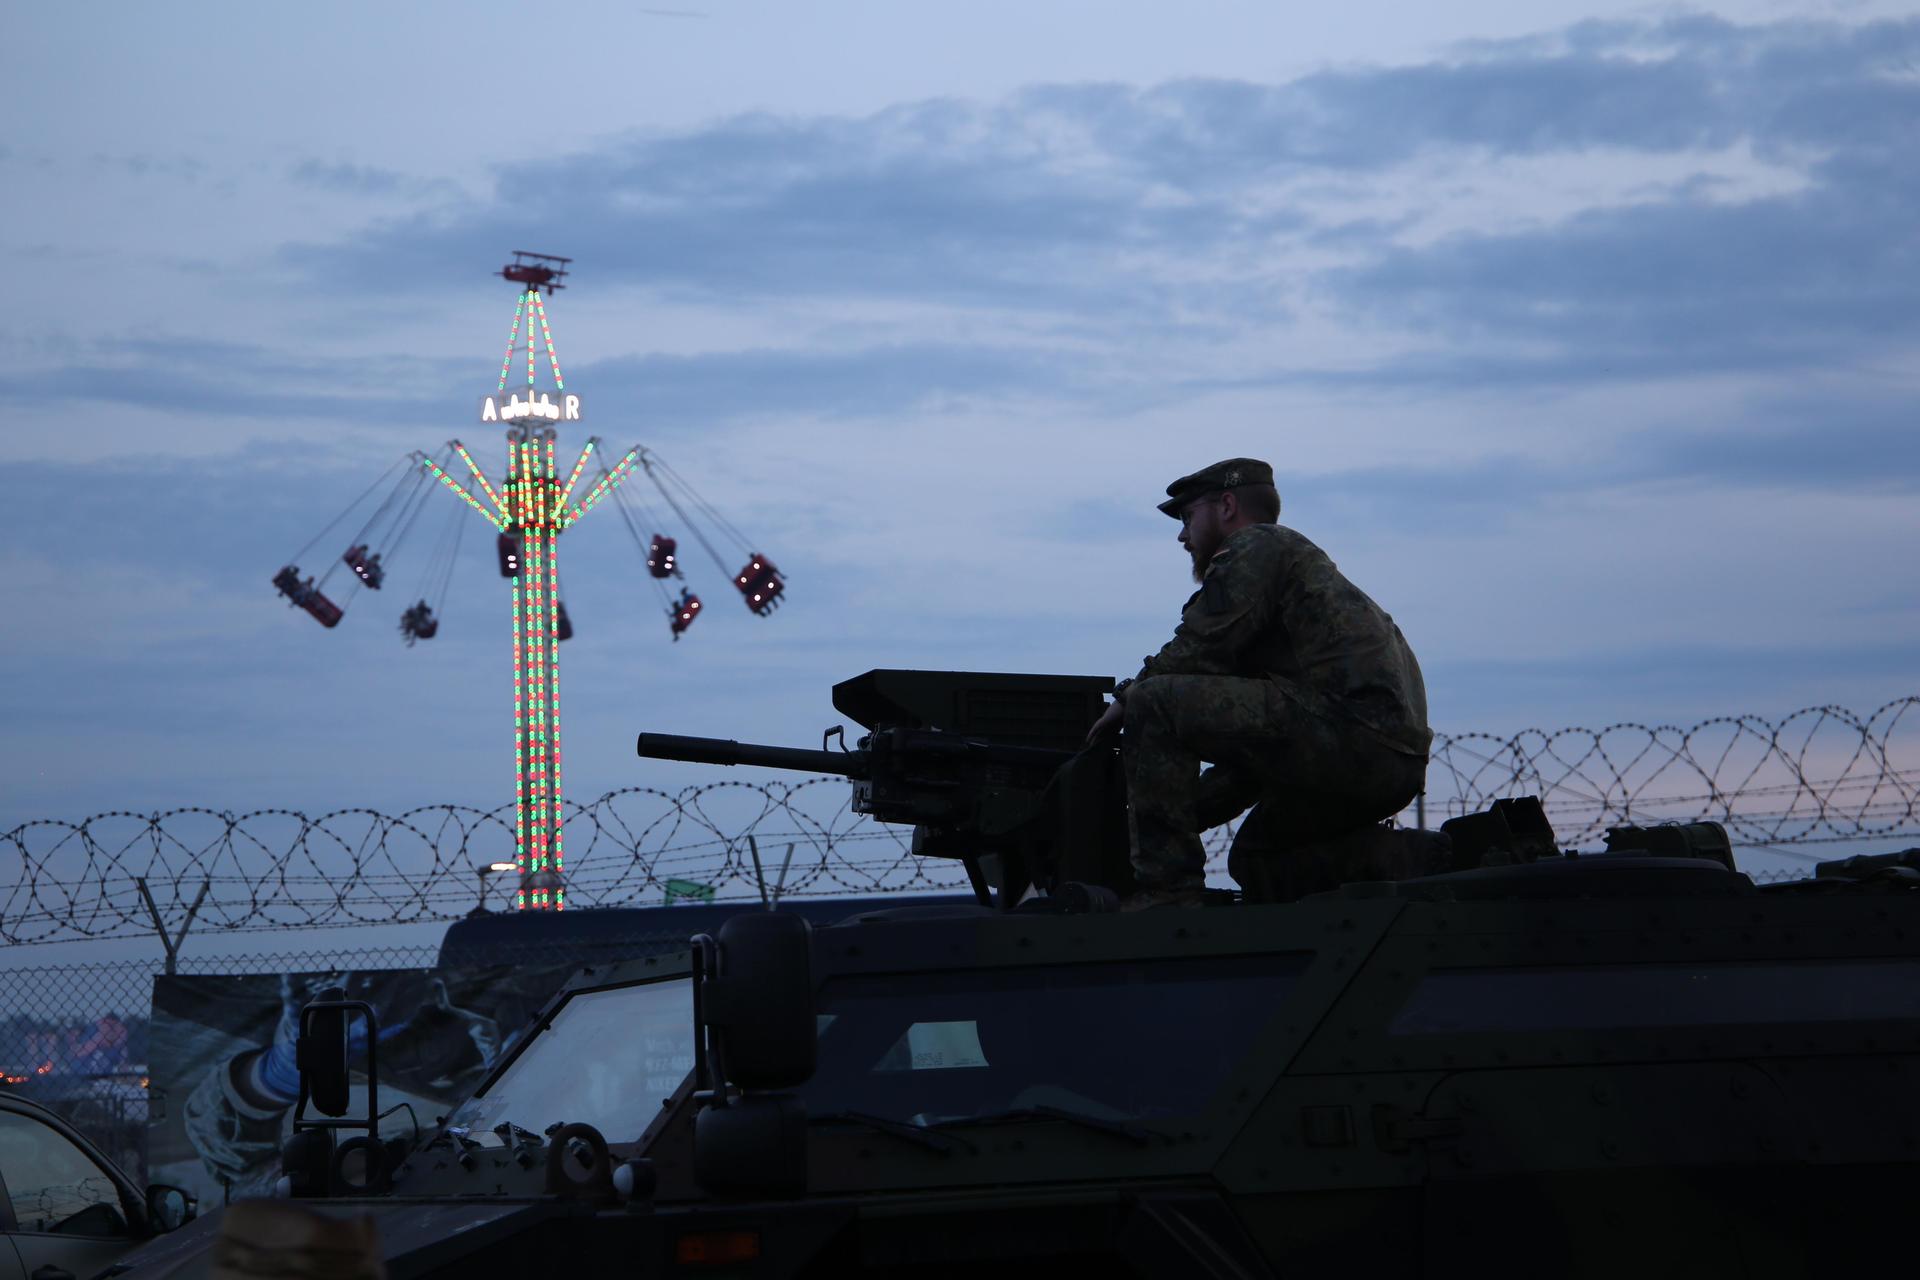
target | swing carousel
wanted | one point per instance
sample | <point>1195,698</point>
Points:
<point>528,510</point>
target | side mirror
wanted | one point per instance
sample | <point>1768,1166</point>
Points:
<point>753,1028</point>
<point>311,1162</point>
<point>321,1053</point>
<point>306,1163</point>
<point>758,1006</point>
<point>755,1146</point>
<point>168,1207</point>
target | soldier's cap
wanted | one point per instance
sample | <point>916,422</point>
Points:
<point>1230,474</point>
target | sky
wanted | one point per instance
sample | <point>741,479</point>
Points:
<point>1583,336</point>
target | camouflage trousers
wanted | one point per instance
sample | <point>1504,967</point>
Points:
<point>1309,771</point>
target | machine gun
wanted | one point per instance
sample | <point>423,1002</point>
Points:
<point>987,767</point>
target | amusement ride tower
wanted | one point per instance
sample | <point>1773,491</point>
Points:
<point>529,509</point>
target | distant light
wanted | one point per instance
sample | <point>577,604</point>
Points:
<point>501,866</point>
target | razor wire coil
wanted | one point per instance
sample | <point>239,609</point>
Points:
<point>1818,777</point>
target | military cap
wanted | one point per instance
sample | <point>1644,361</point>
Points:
<point>1230,474</point>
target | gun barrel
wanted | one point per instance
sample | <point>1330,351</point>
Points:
<point>673,746</point>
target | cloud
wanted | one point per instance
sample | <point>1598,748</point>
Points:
<point>184,168</point>
<point>251,381</point>
<point>365,180</point>
<point>1573,350</point>
<point>866,382</point>
<point>1203,205</point>
<point>1685,285</point>
<point>1845,440</point>
<point>196,376</point>
<point>1166,242</point>
<point>1121,251</point>
<point>1842,442</point>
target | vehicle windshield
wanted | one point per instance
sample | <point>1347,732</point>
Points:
<point>607,1058</point>
<point>1122,1041</point>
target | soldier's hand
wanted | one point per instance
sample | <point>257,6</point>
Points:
<point>1107,725</point>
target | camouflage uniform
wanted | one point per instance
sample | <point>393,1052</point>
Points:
<point>1297,688</point>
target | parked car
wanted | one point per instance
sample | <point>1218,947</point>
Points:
<point>65,1209</point>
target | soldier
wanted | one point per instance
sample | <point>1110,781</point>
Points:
<point>1297,688</point>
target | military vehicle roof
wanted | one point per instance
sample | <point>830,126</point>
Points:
<point>598,933</point>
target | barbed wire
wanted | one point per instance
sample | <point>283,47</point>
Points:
<point>1820,776</point>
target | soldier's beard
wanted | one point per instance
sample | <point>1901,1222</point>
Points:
<point>1202,554</point>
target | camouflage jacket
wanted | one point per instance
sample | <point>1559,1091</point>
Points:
<point>1272,604</point>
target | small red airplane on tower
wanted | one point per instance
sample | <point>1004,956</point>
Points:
<point>534,271</point>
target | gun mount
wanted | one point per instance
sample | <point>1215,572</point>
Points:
<point>987,767</point>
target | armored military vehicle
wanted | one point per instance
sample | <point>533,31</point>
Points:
<point>1634,1062</point>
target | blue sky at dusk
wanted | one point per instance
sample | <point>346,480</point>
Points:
<point>1585,337</point>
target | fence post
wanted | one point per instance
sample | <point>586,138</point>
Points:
<point>172,945</point>
<point>759,872</point>
<point>782,882</point>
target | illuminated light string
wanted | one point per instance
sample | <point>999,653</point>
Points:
<point>528,704</point>
<point>556,822</point>
<point>523,706</point>
<point>547,488</point>
<point>526,856</point>
<point>533,297</point>
<point>513,339</point>
<point>540,646</point>
<point>486,486</point>
<point>540,308</point>
<point>608,483</point>
<point>548,692</point>
<point>455,485</point>
<point>566,492</point>
<point>519,757</point>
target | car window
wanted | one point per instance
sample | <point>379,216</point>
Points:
<point>1125,1040</point>
<point>54,1185</point>
<point>606,1057</point>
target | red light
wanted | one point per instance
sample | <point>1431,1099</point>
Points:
<point>716,1248</point>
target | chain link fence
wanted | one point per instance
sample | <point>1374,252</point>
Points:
<point>94,1070</point>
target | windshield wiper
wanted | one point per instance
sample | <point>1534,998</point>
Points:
<point>944,1143</point>
<point>1139,1135</point>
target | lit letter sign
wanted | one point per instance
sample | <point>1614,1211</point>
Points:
<point>524,405</point>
